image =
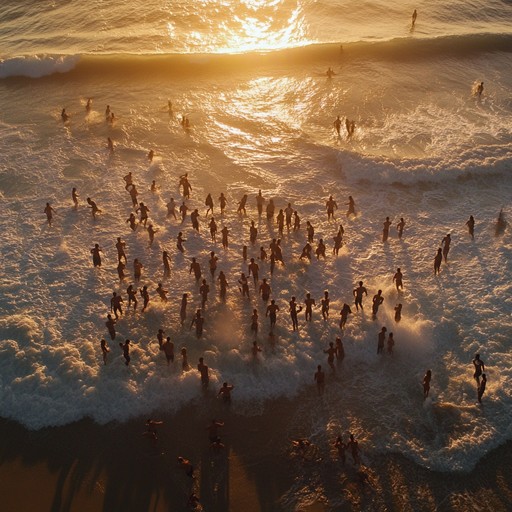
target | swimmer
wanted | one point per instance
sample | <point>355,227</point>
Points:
<point>222,202</point>
<point>168,349</point>
<point>104,350</point>
<point>132,297</point>
<point>311,231</point>
<point>225,232</point>
<point>254,269</point>
<point>501,223</point>
<point>49,211</point>
<point>110,144</point>
<point>209,203</point>
<point>306,252</point>
<point>145,297</point>
<point>271,312</point>
<point>437,261</point>
<point>471,226</point>
<point>445,244</point>
<point>351,207</point>
<point>358,294</point>
<point>225,392</point>
<point>171,208</point>
<point>198,321</point>
<point>295,309</point>
<point>397,279</point>
<point>426,383</point>
<point>96,257</point>
<point>196,268</point>
<point>325,302</point>
<point>133,194</point>
<point>213,430</point>
<point>88,105</point>
<point>480,89</point>
<point>296,221</point>
<point>254,322</point>
<point>390,343</point>
<point>260,202</point>
<point>94,207</point>
<point>203,371</point>
<point>63,115</point>
<point>345,311</point>
<point>126,351</point>
<point>330,206</point>
<point>253,233</point>
<point>194,218</point>
<point>223,285</point>
<point>244,290</point>
<point>151,233</point>
<point>154,187</point>
<point>320,249</point>
<point>137,269</point>
<point>132,220</point>
<point>309,302</point>
<point>115,304</point>
<point>74,197</point>
<point>398,312</point>
<point>179,242</point>
<point>121,246</point>
<point>183,308</point>
<point>265,290</point>
<point>400,227</point>
<point>204,290</point>
<point>110,323</point>
<point>377,300</point>
<point>270,209</point>
<point>166,259</point>
<point>414,16</point>
<point>187,187</point>
<point>331,352</point>
<point>187,466</point>
<point>184,360</point>
<point>162,293</point>
<point>381,339</point>
<point>143,210</point>
<point>241,205</point>
<point>340,350</point>
<point>330,73</point>
<point>385,229</point>
<point>151,154</point>
<point>341,447</point>
<point>479,368</point>
<point>212,262</point>
<point>481,387</point>
<point>337,126</point>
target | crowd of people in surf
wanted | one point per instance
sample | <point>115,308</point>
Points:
<point>287,221</point>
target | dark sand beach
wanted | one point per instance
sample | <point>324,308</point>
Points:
<point>113,467</point>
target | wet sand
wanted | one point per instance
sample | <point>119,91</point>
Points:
<point>85,466</point>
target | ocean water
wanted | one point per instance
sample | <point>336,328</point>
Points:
<point>251,78</point>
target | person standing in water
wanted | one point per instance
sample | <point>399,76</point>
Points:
<point>426,383</point>
<point>437,261</point>
<point>479,368</point>
<point>414,16</point>
<point>445,243</point>
<point>49,213</point>
<point>126,351</point>
<point>481,387</point>
<point>400,227</point>
<point>471,226</point>
<point>397,279</point>
<point>385,229</point>
<point>351,207</point>
<point>358,294</point>
<point>104,350</point>
<point>337,126</point>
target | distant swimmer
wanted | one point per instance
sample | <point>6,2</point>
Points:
<point>309,302</point>
<point>471,226</point>
<point>391,343</point>
<point>96,256</point>
<point>202,368</point>
<point>377,300</point>
<point>271,312</point>
<point>225,392</point>
<point>107,112</point>
<point>110,323</point>
<point>414,16</point>
<point>445,243</point>
<point>437,261</point>
<point>479,368</point>
<point>104,350</point>
<point>187,466</point>
<point>225,232</point>
<point>481,387</point>
<point>385,229</point>
<point>398,312</point>
<point>341,447</point>
<point>426,383</point>
<point>398,280</point>
<point>501,223</point>
<point>126,351</point>
<point>260,202</point>
<point>169,107</point>
<point>94,207</point>
<point>183,211</point>
<point>337,126</point>
<point>74,197</point>
<point>345,311</point>
<point>110,144</point>
<point>63,115</point>
<point>358,294</point>
<point>49,211</point>
<point>151,154</point>
<point>330,73</point>
<point>351,206</point>
<point>331,353</point>
<point>137,269</point>
<point>88,105</point>
<point>400,227</point>
<point>480,89</point>
<point>381,340</point>
<point>185,184</point>
<point>168,349</point>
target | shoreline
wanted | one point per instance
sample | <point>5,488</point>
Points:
<point>86,466</point>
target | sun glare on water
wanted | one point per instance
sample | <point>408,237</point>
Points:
<point>247,25</point>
